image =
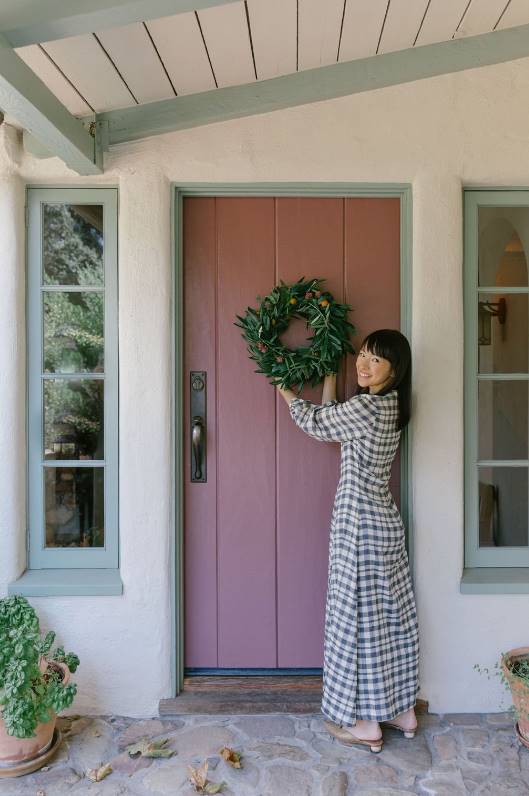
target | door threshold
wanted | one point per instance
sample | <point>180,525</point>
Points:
<point>252,694</point>
<point>246,694</point>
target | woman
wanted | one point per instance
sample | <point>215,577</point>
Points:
<point>371,648</point>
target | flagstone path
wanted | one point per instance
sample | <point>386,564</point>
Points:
<point>284,755</point>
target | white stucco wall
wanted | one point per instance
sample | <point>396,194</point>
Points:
<point>438,134</point>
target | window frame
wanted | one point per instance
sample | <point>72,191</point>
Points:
<point>39,557</point>
<point>475,557</point>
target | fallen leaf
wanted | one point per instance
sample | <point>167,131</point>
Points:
<point>147,748</point>
<point>213,787</point>
<point>198,778</point>
<point>97,774</point>
<point>231,756</point>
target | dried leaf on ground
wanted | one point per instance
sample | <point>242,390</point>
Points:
<point>231,756</point>
<point>198,778</point>
<point>97,774</point>
<point>147,748</point>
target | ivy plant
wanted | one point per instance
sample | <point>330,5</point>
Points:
<point>27,694</point>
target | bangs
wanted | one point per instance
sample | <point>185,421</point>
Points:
<point>378,344</point>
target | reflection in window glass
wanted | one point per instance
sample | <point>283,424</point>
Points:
<point>72,244</point>
<point>503,236</point>
<point>503,506</point>
<point>503,419</point>
<point>74,505</point>
<point>503,333</point>
<point>73,419</point>
<point>73,332</point>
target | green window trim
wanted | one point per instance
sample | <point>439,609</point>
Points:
<point>67,582</point>
<point>492,569</point>
<point>71,570</point>
<point>495,580</point>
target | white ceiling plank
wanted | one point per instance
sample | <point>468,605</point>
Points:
<point>182,50</point>
<point>517,13</point>
<point>38,61</point>
<point>441,21</point>
<point>402,24</point>
<point>86,65</point>
<point>228,42</point>
<point>361,28</point>
<point>134,55</point>
<point>319,32</point>
<point>274,28</point>
<point>481,17</point>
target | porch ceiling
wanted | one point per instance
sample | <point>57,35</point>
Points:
<point>234,43</point>
<point>139,70</point>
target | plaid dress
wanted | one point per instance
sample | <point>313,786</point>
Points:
<point>371,646</point>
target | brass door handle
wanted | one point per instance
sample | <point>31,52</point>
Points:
<point>198,445</point>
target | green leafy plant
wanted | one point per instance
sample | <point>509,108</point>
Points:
<point>519,670</point>
<point>27,694</point>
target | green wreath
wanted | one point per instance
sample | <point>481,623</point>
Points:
<point>325,316</point>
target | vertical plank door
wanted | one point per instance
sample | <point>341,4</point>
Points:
<point>256,533</point>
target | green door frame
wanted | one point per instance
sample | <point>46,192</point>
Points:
<point>336,189</point>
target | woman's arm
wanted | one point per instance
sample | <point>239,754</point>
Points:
<point>329,390</point>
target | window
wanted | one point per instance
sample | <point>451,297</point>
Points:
<point>72,378</point>
<point>496,295</point>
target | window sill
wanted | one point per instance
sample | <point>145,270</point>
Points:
<point>66,582</point>
<point>495,580</point>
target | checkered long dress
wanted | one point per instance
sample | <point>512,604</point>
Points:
<point>371,646</point>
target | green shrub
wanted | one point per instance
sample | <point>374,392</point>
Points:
<point>26,693</point>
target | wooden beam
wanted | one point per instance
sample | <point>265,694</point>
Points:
<point>24,96</point>
<point>314,85</point>
<point>31,21</point>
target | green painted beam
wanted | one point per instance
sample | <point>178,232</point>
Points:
<point>32,104</point>
<point>30,21</point>
<point>314,85</point>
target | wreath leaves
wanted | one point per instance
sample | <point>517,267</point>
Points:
<point>326,318</point>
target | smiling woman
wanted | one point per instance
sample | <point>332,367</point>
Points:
<point>371,646</point>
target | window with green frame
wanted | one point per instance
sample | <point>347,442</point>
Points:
<point>72,378</point>
<point>496,296</point>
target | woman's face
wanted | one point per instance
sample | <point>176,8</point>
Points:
<point>372,371</point>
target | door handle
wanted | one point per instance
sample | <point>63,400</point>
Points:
<point>198,425</point>
<point>198,445</point>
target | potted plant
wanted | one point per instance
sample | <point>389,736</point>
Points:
<point>34,685</point>
<point>513,670</point>
<point>515,673</point>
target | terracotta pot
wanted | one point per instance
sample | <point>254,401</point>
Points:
<point>16,750</point>
<point>519,690</point>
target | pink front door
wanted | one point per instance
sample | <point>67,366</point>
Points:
<point>257,530</point>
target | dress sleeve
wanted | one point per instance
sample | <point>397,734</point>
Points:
<point>334,421</point>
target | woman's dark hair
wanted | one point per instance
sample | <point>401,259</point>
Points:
<point>393,345</point>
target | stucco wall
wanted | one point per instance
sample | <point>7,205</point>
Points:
<point>437,134</point>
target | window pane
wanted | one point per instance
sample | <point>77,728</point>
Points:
<point>502,506</point>
<point>73,419</point>
<point>503,333</point>
<point>72,245</point>
<point>503,419</point>
<point>503,237</point>
<point>73,332</point>
<point>74,501</point>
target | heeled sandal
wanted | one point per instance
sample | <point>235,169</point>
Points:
<point>346,737</point>
<point>407,733</point>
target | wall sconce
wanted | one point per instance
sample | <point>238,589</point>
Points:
<point>487,310</point>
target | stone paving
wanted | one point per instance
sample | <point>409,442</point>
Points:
<point>284,755</point>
